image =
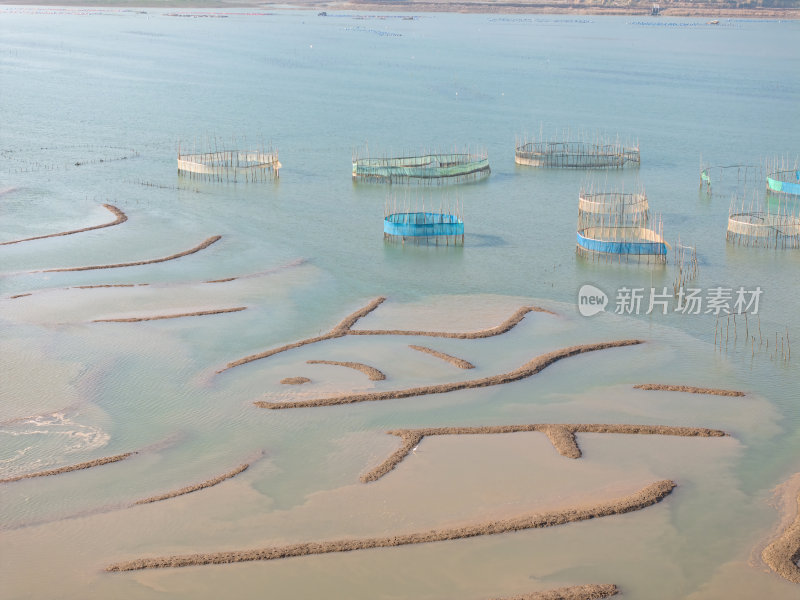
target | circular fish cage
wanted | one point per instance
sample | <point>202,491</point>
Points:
<point>784,182</point>
<point>576,155</point>
<point>764,229</point>
<point>430,228</point>
<point>612,209</point>
<point>628,244</point>
<point>230,165</point>
<point>730,177</point>
<point>427,168</point>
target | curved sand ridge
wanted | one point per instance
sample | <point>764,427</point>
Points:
<point>346,328</point>
<point>590,591</point>
<point>453,360</point>
<point>92,463</point>
<point>85,465</point>
<point>88,287</point>
<point>562,436</point>
<point>193,488</point>
<point>783,554</point>
<point>114,507</point>
<point>106,285</point>
<point>645,497</point>
<point>528,369</point>
<point>340,330</point>
<point>505,326</point>
<point>371,372</point>
<point>294,263</point>
<point>197,248</point>
<point>199,313</point>
<point>121,218</point>
<point>687,388</point>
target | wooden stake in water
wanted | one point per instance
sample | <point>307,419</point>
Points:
<point>760,339</point>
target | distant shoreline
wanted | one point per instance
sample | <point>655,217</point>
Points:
<point>641,8</point>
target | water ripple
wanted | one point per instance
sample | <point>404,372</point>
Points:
<point>42,441</point>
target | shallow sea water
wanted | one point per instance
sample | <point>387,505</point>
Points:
<point>128,87</point>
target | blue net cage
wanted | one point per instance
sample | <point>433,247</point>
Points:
<point>784,182</point>
<point>623,244</point>
<point>424,228</point>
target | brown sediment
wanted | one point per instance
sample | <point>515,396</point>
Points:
<point>340,330</point>
<point>687,388</point>
<point>561,435</point>
<point>222,280</point>
<point>645,497</point>
<point>410,439</point>
<point>202,246</point>
<point>346,328</point>
<point>346,324</point>
<point>121,218</point>
<point>371,372</point>
<point>504,327</point>
<point>295,380</point>
<point>85,465</point>
<point>162,444</point>
<point>456,362</point>
<point>783,554</point>
<point>563,440</point>
<point>193,488</point>
<point>20,295</point>
<point>25,418</point>
<point>590,591</point>
<point>199,313</point>
<point>528,369</point>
